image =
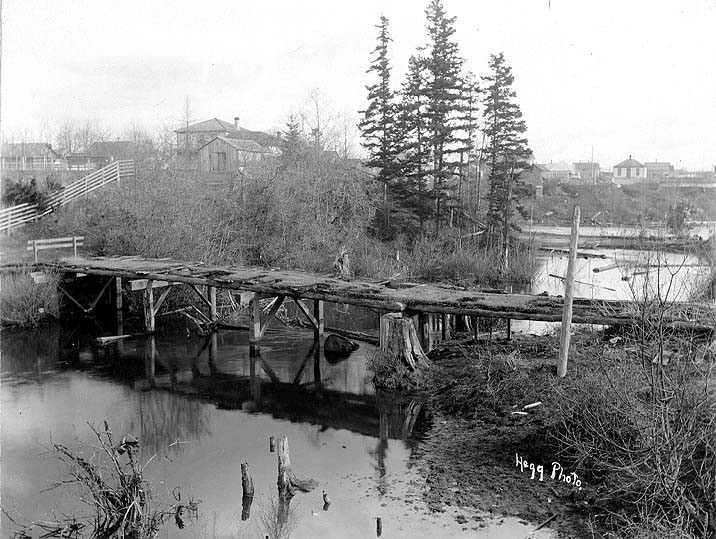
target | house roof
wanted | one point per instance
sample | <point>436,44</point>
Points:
<point>560,166</point>
<point>215,125</point>
<point>28,149</point>
<point>659,165</point>
<point>629,163</point>
<point>110,148</point>
<point>209,126</point>
<point>587,164</point>
<point>241,144</point>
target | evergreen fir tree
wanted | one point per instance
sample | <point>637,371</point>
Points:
<point>445,100</point>
<point>505,153</point>
<point>378,123</point>
<point>294,143</point>
<point>411,189</point>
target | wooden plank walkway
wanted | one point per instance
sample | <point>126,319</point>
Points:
<point>412,299</point>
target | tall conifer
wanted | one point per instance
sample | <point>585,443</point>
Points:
<point>506,151</point>
<point>378,122</point>
<point>443,91</point>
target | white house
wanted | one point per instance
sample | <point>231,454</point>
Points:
<point>629,171</point>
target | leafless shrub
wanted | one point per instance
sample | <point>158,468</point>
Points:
<point>110,483</point>
<point>643,421</point>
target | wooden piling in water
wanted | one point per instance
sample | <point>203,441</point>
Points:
<point>211,293</point>
<point>149,307</point>
<point>320,323</point>
<point>247,486</point>
<point>255,325</point>
<point>565,332</point>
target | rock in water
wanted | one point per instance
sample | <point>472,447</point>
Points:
<point>337,347</point>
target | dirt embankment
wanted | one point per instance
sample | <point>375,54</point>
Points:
<point>481,430</point>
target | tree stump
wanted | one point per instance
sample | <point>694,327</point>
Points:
<point>399,341</point>
<point>342,264</point>
<point>247,486</point>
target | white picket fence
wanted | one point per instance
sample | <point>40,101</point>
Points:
<point>24,213</point>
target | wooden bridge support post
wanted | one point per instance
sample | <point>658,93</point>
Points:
<point>211,294</point>
<point>255,325</point>
<point>149,307</point>
<point>320,324</point>
<point>118,304</point>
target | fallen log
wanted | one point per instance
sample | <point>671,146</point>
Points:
<point>104,341</point>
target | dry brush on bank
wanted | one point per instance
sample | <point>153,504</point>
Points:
<point>26,303</point>
<point>297,216</point>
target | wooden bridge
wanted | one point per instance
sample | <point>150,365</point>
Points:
<point>420,301</point>
<point>25,213</point>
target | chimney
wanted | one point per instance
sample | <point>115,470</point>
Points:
<point>236,122</point>
<point>629,156</point>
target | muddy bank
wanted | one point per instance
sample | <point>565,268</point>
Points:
<point>481,430</point>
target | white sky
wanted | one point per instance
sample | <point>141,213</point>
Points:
<point>623,76</point>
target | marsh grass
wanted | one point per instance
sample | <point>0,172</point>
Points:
<point>24,303</point>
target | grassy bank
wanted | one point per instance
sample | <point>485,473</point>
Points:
<point>24,303</point>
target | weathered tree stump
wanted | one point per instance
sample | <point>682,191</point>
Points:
<point>342,264</point>
<point>287,481</point>
<point>399,341</point>
<point>247,485</point>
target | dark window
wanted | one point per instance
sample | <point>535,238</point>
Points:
<point>217,162</point>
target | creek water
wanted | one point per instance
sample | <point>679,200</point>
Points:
<point>201,407</point>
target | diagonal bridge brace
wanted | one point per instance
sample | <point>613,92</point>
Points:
<point>93,305</point>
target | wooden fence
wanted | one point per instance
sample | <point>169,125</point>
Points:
<point>24,213</point>
<point>55,243</point>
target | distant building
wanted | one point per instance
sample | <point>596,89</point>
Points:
<point>223,154</point>
<point>558,171</point>
<point>102,153</point>
<point>29,156</point>
<point>659,171</point>
<point>629,171</point>
<point>587,172</point>
<point>534,174</point>
<point>193,137</point>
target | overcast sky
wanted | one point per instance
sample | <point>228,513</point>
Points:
<point>622,76</point>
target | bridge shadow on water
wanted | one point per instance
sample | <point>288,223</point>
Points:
<point>176,374</point>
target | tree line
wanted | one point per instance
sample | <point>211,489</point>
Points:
<point>431,141</point>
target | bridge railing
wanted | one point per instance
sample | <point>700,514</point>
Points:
<point>24,213</point>
<point>55,243</point>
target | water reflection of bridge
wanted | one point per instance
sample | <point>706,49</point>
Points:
<point>296,385</point>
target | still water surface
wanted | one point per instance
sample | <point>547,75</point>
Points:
<point>204,406</point>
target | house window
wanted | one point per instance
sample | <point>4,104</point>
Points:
<point>638,172</point>
<point>619,171</point>
<point>217,162</point>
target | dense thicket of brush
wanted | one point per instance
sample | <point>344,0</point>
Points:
<point>294,214</point>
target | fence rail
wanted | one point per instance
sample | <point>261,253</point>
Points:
<point>25,213</point>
